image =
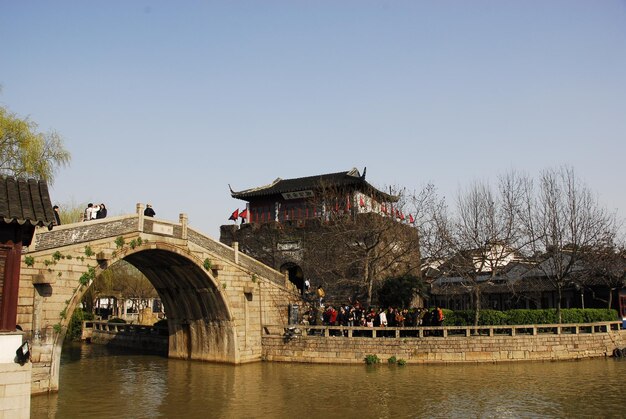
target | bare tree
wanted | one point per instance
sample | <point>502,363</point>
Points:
<point>365,247</point>
<point>605,266</point>
<point>482,236</point>
<point>429,209</point>
<point>563,223</point>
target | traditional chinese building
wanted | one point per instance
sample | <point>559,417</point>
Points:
<point>293,200</point>
<point>24,205</point>
<point>282,218</point>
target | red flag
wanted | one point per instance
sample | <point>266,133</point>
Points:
<point>361,202</point>
<point>383,208</point>
<point>244,213</point>
<point>401,216</point>
<point>234,215</point>
<point>411,219</point>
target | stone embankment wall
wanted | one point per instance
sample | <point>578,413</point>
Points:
<point>437,349</point>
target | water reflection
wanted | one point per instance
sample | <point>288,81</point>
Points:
<point>97,382</point>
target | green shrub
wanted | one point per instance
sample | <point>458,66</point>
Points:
<point>600,315</point>
<point>372,359</point>
<point>493,317</point>
<point>75,327</point>
<point>401,362</point>
<point>392,360</point>
<point>528,316</point>
<point>89,251</point>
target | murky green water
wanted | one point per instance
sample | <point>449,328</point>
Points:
<point>96,382</point>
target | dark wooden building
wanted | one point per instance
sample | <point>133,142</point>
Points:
<point>292,200</point>
<point>282,219</point>
<point>24,205</point>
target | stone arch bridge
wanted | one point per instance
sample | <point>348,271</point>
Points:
<point>216,299</point>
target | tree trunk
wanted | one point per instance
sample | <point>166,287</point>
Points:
<point>558,303</point>
<point>611,297</point>
<point>370,281</point>
<point>476,305</point>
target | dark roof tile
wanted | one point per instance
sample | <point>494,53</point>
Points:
<point>339,179</point>
<point>25,201</point>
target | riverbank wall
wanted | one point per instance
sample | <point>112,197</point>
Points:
<point>444,344</point>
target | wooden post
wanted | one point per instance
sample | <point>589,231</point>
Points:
<point>12,253</point>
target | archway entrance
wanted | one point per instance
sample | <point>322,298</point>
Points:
<point>295,275</point>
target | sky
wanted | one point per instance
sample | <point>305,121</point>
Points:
<point>169,103</point>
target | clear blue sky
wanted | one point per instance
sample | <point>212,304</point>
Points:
<point>169,102</point>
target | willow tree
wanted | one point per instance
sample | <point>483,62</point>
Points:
<point>27,153</point>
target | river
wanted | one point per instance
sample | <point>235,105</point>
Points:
<point>98,382</point>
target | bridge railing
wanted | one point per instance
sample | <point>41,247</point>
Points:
<point>442,331</point>
<point>85,232</point>
<point>237,257</point>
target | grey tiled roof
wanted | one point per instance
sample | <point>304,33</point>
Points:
<point>25,202</point>
<point>339,179</point>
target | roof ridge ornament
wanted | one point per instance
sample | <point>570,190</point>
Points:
<point>354,172</point>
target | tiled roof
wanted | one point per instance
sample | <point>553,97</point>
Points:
<point>339,179</point>
<point>25,201</point>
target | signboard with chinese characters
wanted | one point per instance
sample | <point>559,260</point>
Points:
<point>298,194</point>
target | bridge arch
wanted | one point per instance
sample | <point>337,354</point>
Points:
<point>217,299</point>
<point>200,320</point>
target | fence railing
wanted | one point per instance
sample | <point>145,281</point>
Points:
<point>443,331</point>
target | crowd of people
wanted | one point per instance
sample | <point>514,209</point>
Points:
<point>357,315</point>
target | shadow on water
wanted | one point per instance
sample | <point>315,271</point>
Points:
<point>77,351</point>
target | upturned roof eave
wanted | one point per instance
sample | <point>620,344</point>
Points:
<point>348,178</point>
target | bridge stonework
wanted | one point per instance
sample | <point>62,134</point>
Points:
<point>216,299</point>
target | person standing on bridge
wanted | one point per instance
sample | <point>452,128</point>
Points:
<point>102,212</point>
<point>94,211</point>
<point>88,215</point>
<point>320,295</point>
<point>149,212</point>
<point>57,217</point>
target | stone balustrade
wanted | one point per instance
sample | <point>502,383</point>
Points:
<point>445,331</point>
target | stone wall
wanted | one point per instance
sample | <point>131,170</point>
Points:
<point>15,390</point>
<point>352,350</point>
<point>15,379</point>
